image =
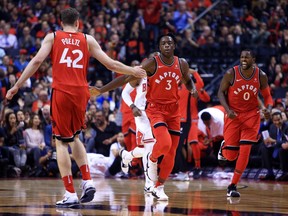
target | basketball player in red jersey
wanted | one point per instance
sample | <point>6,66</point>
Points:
<point>70,52</point>
<point>238,93</point>
<point>164,74</point>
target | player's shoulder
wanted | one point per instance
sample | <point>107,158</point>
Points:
<point>182,60</point>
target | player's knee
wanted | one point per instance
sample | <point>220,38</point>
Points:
<point>230,155</point>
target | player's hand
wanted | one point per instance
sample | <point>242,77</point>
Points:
<point>231,114</point>
<point>136,111</point>
<point>11,92</point>
<point>139,72</point>
<point>266,113</point>
<point>194,93</point>
<point>94,91</point>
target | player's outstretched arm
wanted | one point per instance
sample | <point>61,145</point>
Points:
<point>33,65</point>
<point>113,65</point>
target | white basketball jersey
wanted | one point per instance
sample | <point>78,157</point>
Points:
<point>140,99</point>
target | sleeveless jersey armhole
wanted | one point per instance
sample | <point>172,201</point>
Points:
<point>180,66</point>
<point>234,77</point>
<point>156,66</point>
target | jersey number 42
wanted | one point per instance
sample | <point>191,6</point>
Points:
<point>72,62</point>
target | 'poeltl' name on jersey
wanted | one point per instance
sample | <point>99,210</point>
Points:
<point>71,41</point>
<point>168,74</point>
<point>246,87</point>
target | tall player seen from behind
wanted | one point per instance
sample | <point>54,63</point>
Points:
<point>238,94</point>
<point>70,52</point>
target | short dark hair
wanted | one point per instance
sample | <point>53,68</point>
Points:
<point>276,113</point>
<point>205,116</point>
<point>167,35</point>
<point>69,16</point>
<point>252,53</point>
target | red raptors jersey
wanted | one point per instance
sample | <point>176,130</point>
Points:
<point>163,84</point>
<point>242,94</point>
<point>70,58</point>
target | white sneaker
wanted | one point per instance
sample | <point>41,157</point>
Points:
<point>69,199</point>
<point>220,155</point>
<point>126,159</point>
<point>148,185</point>
<point>182,177</point>
<point>88,191</point>
<point>159,207</point>
<point>159,194</point>
<point>152,169</point>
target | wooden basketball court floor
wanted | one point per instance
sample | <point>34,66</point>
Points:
<point>125,197</point>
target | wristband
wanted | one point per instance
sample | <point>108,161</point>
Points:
<point>132,106</point>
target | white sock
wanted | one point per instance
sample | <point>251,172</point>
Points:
<point>137,152</point>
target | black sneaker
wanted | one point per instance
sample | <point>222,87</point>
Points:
<point>232,191</point>
<point>197,172</point>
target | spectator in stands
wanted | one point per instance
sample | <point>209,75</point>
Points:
<point>49,162</point>
<point>46,124</point>
<point>41,101</point>
<point>151,14</point>
<point>6,61</point>
<point>27,41</point>
<point>102,98</point>
<point>181,17</point>
<point>8,41</point>
<point>47,80</point>
<point>106,133</point>
<point>241,37</point>
<point>275,148</point>
<point>34,141</point>
<point>13,139</point>
<point>107,108</point>
<point>261,36</point>
<point>30,97</point>
<point>21,62</point>
<point>13,103</point>
<point>188,44</point>
<point>167,23</point>
<point>88,134</point>
<point>278,80</point>
<point>134,48</point>
<point>4,156</point>
<point>21,119</point>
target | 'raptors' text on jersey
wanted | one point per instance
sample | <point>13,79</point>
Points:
<point>69,59</point>
<point>163,84</point>
<point>243,92</point>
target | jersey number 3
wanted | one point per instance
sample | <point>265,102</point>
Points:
<point>71,62</point>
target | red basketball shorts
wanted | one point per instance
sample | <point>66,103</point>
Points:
<point>68,113</point>
<point>243,129</point>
